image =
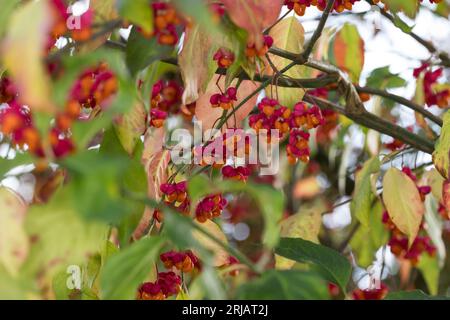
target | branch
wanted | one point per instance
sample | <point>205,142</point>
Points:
<point>318,32</point>
<point>371,121</point>
<point>407,103</point>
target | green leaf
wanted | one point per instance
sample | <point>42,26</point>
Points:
<point>382,78</point>
<point>441,152</point>
<point>362,199</point>
<point>336,267</point>
<point>124,271</point>
<point>402,25</point>
<point>408,7</point>
<point>285,285</point>
<point>289,35</point>
<point>138,12</point>
<point>142,51</point>
<point>412,295</point>
<point>367,240</point>
<point>270,201</point>
<point>347,51</point>
<point>61,236</point>
<point>19,159</point>
<point>8,7</point>
<point>13,288</point>
<point>429,267</point>
<point>443,9</point>
<point>201,13</point>
<point>14,243</point>
<point>403,202</point>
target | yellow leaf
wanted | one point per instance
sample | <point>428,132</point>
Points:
<point>433,179</point>
<point>403,202</point>
<point>305,224</point>
<point>220,255</point>
<point>23,49</point>
<point>288,35</point>
<point>442,149</point>
<point>13,239</point>
<point>131,126</point>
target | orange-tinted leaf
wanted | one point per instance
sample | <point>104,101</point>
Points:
<point>403,202</point>
<point>307,188</point>
<point>208,115</point>
<point>347,51</point>
<point>254,16</point>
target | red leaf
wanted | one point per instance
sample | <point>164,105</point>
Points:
<point>254,16</point>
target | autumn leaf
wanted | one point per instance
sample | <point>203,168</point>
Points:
<point>347,51</point>
<point>254,16</point>
<point>289,35</point>
<point>441,152</point>
<point>13,239</point>
<point>131,126</point>
<point>197,50</point>
<point>22,52</point>
<point>156,161</point>
<point>220,255</point>
<point>403,202</point>
<point>433,179</point>
<point>208,115</point>
<point>305,224</point>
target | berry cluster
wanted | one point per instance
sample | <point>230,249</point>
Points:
<point>182,261</point>
<point>232,143</point>
<point>16,122</point>
<point>60,13</point>
<point>224,100</point>
<point>94,87</point>
<point>224,58</point>
<point>239,173</point>
<point>167,284</point>
<point>252,51</point>
<point>399,242</point>
<point>299,6</point>
<point>430,80</point>
<point>371,294</point>
<point>166,97</point>
<point>210,207</point>
<point>175,194</point>
<point>295,122</point>
<point>166,23</point>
